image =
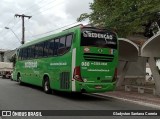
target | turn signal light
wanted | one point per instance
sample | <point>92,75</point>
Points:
<point>77,74</point>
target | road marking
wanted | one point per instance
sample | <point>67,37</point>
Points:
<point>132,101</point>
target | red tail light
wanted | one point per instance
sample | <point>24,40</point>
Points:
<point>77,74</point>
<point>115,75</point>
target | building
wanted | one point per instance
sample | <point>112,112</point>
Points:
<point>6,55</point>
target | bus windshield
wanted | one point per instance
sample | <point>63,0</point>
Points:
<point>98,38</point>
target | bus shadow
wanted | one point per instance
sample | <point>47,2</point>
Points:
<point>71,95</point>
<point>37,88</point>
<point>82,96</point>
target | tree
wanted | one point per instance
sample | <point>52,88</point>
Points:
<point>127,17</point>
<point>13,59</point>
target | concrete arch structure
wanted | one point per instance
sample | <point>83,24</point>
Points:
<point>128,54</point>
<point>151,50</point>
<point>151,47</point>
<point>128,50</point>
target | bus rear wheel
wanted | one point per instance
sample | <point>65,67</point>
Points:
<point>46,85</point>
<point>19,79</point>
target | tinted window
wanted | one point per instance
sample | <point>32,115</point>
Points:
<point>62,42</point>
<point>68,41</point>
<point>20,54</point>
<point>56,46</point>
<point>25,56</point>
<point>39,50</point>
<point>96,38</point>
<point>46,47</point>
<point>51,48</point>
<point>31,52</point>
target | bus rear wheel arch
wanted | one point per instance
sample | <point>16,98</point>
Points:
<point>46,84</point>
<point>19,79</point>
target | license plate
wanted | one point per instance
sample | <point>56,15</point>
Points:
<point>98,87</point>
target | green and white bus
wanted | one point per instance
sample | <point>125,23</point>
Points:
<point>78,59</point>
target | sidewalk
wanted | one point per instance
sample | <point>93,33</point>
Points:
<point>135,97</point>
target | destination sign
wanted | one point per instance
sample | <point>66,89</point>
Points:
<point>91,34</point>
<point>98,38</point>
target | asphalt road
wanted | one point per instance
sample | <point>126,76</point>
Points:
<point>16,97</point>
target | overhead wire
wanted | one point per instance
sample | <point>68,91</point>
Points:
<point>32,6</point>
<point>44,5</point>
<point>41,7</point>
<point>51,7</point>
<point>10,21</point>
<point>54,30</point>
<point>36,11</point>
<point>4,33</point>
<point>43,10</point>
<point>11,30</point>
<point>11,35</point>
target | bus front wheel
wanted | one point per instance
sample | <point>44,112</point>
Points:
<point>46,85</point>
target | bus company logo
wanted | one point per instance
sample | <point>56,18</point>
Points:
<point>86,49</point>
<point>100,50</point>
<point>97,35</point>
<point>30,64</point>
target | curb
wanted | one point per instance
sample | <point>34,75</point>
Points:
<point>132,101</point>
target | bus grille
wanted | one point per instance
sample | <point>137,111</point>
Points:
<point>98,57</point>
<point>64,80</point>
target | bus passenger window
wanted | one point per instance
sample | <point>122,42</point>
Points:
<point>31,52</point>
<point>68,41</point>
<point>45,49</point>
<point>62,42</point>
<point>56,46</point>
<point>51,48</point>
<point>25,53</point>
<point>62,48</point>
<point>20,54</point>
<point>39,50</point>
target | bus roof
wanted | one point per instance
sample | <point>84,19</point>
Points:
<point>63,32</point>
<point>68,30</point>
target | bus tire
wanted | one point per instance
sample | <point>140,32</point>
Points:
<point>46,85</point>
<point>19,79</point>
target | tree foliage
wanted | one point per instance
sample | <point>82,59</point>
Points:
<point>13,59</point>
<point>125,16</point>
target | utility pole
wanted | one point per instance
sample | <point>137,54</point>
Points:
<point>23,28</point>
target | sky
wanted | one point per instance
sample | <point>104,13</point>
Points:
<point>47,17</point>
